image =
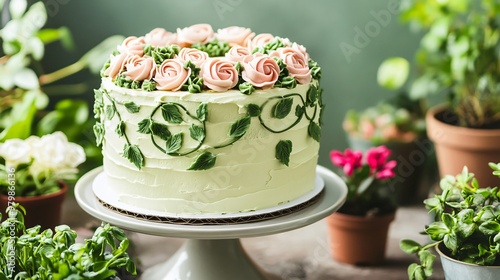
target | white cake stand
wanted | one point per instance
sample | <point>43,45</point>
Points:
<point>213,252</point>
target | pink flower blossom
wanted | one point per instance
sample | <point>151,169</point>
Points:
<point>349,160</point>
<point>377,160</point>
<point>387,171</point>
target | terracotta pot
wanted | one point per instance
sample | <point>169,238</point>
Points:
<point>414,172</point>
<point>458,270</point>
<point>458,146</point>
<point>358,240</point>
<point>43,210</point>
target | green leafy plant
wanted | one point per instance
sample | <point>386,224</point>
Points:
<point>395,119</point>
<point>29,253</point>
<point>25,87</point>
<point>467,223</point>
<point>459,56</point>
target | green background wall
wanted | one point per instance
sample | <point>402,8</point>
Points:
<point>349,38</point>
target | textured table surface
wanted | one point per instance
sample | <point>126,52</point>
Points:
<point>298,254</point>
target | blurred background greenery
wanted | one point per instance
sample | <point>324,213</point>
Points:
<point>348,38</point>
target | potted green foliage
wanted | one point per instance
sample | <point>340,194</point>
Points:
<point>465,231</point>
<point>458,57</point>
<point>30,253</point>
<point>358,230</point>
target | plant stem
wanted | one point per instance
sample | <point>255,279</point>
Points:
<point>62,73</point>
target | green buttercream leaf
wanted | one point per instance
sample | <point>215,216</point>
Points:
<point>144,126</point>
<point>204,161</point>
<point>195,84</point>
<point>312,95</point>
<point>240,127</point>
<point>314,130</point>
<point>299,111</point>
<point>202,112</point>
<point>213,48</point>
<point>135,85</point>
<point>282,108</point>
<point>171,113</point>
<point>238,68</point>
<point>315,69</point>
<point>134,155</point>
<point>99,133</point>
<point>174,143</point>
<point>253,110</point>
<point>273,45</point>
<point>123,81</point>
<point>109,111</point>
<point>98,103</point>
<point>160,54</point>
<point>288,82</point>
<point>104,68</point>
<point>148,85</point>
<point>283,151</point>
<point>197,133</point>
<point>246,88</point>
<point>132,107</point>
<point>120,128</point>
<point>160,130</point>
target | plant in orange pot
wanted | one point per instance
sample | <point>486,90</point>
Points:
<point>34,173</point>
<point>358,231</point>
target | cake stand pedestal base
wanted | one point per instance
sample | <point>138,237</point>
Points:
<point>213,252</point>
<point>208,260</point>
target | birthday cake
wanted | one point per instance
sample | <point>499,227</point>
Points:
<point>199,121</point>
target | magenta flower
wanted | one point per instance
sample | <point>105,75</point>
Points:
<point>349,160</point>
<point>386,171</point>
<point>377,157</point>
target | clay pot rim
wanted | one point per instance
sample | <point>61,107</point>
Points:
<point>61,191</point>
<point>390,215</point>
<point>461,130</point>
<point>444,255</point>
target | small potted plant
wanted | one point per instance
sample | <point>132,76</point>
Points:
<point>34,172</point>
<point>30,253</point>
<point>458,57</point>
<point>397,123</point>
<point>465,231</point>
<point>358,230</point>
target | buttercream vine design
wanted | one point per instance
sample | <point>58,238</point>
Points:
<point>197,59</point>
<point>168,114</point>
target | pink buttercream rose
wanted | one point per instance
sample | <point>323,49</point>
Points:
<point>235,35</point>
<point>237,53</point>
<point>262,71</point>
<point>198,33</point>
<point>116,65</point>
<point>219,74</point>
<point>197,57</point>
<point>296,64</point>
<point>301,49</point>
<point>132,45</point>
<point>160,37</point>
<point>171,75</point>
<point>139,68</point>
<point>260,40</point>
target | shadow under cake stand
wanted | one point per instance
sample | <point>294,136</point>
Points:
<point>214,251</point>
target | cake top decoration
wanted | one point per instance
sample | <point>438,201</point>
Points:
<point>197,59</point>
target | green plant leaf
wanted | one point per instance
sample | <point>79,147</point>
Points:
<point>204,161</point>
<point>69,116</point>
<point>202,112</point>
<point>95,58</point>
<point>132,107</point>
<point>171,113</point>
<point>240,127</point>
<point>174,143</point>
<point>144,126</point>
<point>197,133</point>
<point>490,228</point>
<point>253,110</point>
<point>409,246</point>
<point>134,155</point>
<point>283,151</point>
<point>282,108</point>
<point>160,130</point>
<point>314,130</point>
<point>393,73</point>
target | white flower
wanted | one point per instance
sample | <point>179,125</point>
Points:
<point>54,152</point>
<point>15,152</point>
